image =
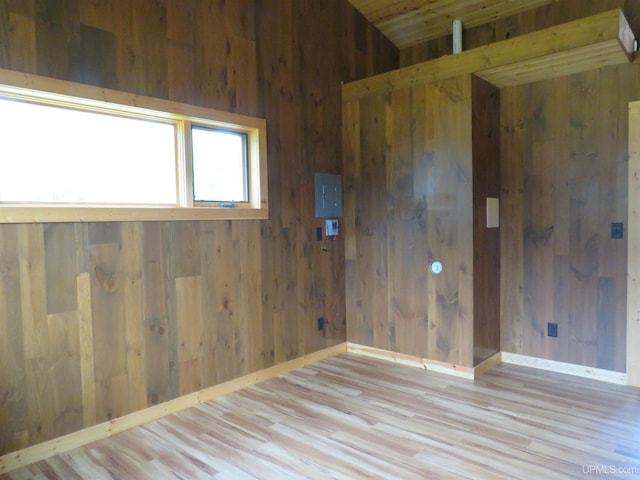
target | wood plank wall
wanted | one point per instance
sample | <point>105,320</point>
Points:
<point>564,180</point>
<point>408,201</point>
<point>99,320</point>
<point>485,117</point>
<point>419,165</point>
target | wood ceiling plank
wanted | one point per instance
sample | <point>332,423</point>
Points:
<point>556,65</point>
<point>596,33</point>
<point>409,22</point>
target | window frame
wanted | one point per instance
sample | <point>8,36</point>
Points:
<point>67,94</point>
<point>245,168</point>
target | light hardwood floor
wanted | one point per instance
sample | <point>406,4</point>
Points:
<point>351,417</point>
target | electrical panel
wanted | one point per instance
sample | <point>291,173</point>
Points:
<point>328,193</point>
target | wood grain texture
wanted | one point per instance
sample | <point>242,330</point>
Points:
<point>409,202</point>
<point>146,311</point>
<point>570,47</point>
<point>564,181</point>
<point>517,24</point>
<point>410,22</point>
<point>486,241</point>
<point>633,279</point>
<point>356,417</point>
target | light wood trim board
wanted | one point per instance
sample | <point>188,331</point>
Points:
<point>598,33</point>
<point>633,249</point>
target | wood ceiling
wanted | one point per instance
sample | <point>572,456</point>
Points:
<point>409,22</point>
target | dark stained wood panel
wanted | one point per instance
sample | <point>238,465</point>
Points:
<point>563,166</point>
<point>408,170</point>
<point>99,320</point>
<point>486,241</point>
<point>564,181</point>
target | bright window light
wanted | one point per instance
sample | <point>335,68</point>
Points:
<point>219,165</point>
<point>71,152</point>
<point>79,157</point>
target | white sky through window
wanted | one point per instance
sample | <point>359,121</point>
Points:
<point>74,156</point>
<point>219,163</point>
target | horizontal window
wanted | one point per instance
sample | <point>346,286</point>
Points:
<point>72,152</point>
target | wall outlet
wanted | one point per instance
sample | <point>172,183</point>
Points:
<point>321,323</point>
<point>617,230</point>
<point>331,228</point>
<point>552,329</point>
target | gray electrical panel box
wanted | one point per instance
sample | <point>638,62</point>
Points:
<point>328,190</point>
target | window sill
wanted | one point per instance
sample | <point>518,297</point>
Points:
<point>48,214</point>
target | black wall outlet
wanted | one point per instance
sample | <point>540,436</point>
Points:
<point>617,230</point>
<point>552,329</point>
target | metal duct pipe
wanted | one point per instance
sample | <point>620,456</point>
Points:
<point>457,35</point>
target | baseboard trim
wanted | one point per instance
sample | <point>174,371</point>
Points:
<point>412,361</point>
<point>44,450</point>
<point>566,368</point>
<point>487,364</point>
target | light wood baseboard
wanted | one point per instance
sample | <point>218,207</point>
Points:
<point>487,364</point>
<point>41,451</point>
<point>567,368</point>
<point>412,361</point>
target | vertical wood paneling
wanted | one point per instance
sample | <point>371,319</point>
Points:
<point>633,280</point>
<point>65,373</point>
<point>449,220</point>
<point>511,220</point>
<point>57,36</point>
<point>98,320</point>
<point>486,241</point>
<point>35,334</point>
<point>564,177</point>
<point>13,415</point>
<point>408,324</point>
<point>155,315</point>
<point>564,149</point>
<point>410,193</point>
<point>132,243</point>
<point>87,359</point>
<point>371,288</point>
<point>22,37</point>
<point>60,268</point>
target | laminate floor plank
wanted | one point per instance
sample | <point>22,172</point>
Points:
<point>352,417</point>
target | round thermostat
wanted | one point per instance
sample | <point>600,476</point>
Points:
<point>436,267</point>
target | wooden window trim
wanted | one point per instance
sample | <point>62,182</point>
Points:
<point>97,99</point>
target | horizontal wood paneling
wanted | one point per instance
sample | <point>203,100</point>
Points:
<point>99,320</point>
